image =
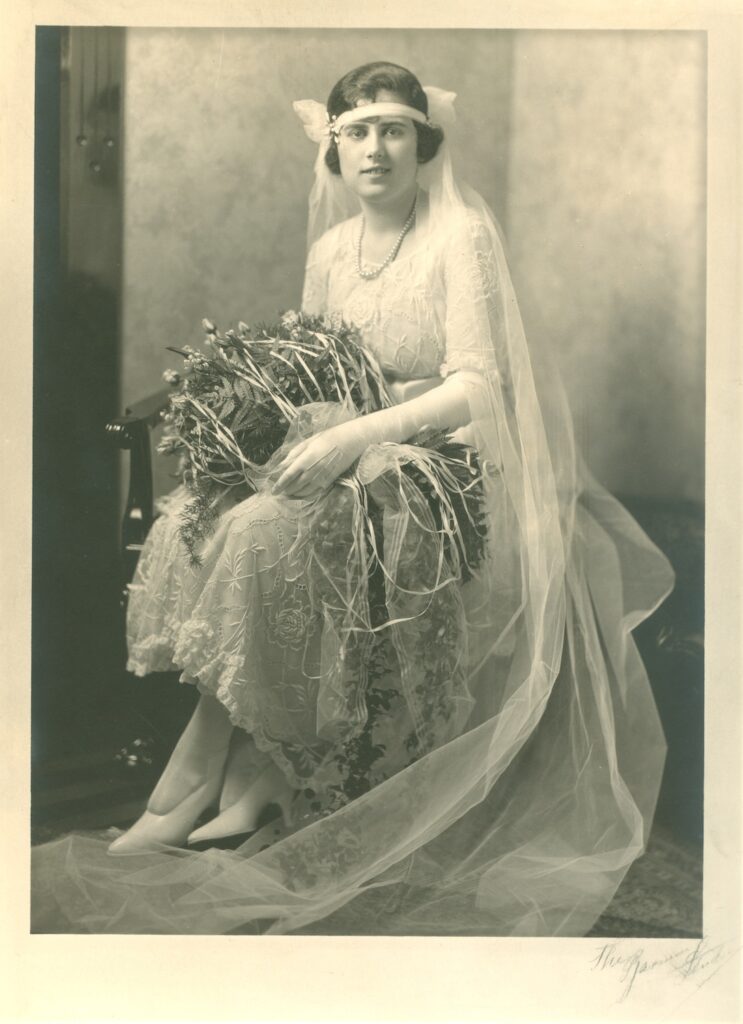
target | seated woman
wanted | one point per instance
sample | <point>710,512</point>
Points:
<point>483,754</point>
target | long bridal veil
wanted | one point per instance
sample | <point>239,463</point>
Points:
<point>525,820</point>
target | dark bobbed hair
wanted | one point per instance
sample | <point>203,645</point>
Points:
<point>363,83</point>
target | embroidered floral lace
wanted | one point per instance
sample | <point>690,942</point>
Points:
<point>488,763</point>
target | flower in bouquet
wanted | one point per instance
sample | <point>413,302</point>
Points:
<point>235,403</point>
<point>233,406</point>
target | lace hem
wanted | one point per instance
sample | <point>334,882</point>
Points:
<point>211,672</point>
<point>151,655</point>
<point>216,674</point>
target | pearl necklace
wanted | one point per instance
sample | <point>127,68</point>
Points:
<point>370,275</point>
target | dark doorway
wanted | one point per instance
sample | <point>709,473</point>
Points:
<point>77,645</point>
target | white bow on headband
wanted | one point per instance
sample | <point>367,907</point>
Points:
<point>318,125</point>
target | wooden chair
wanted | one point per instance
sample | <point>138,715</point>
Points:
<point>132,432</point>
<point>160,705</point>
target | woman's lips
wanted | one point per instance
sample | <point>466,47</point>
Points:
<point>376,172</point>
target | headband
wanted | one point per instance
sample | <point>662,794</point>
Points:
<point>319,126</point>
<point>376,110</point>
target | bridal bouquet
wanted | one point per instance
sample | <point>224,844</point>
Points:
<point>234,403</point>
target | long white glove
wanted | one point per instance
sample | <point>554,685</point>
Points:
<point>312,465</point>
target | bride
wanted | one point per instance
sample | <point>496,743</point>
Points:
<point>483,755</point>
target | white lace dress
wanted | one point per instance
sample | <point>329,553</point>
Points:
<point>250,625</point>
<point>473,755</point>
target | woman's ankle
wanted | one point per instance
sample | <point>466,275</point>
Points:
<point>209,728</point>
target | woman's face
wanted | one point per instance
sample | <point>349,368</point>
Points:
<point>379,155</point>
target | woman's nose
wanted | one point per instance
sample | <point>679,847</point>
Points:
<point>374,143</point>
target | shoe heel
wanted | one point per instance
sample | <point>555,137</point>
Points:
<point>285,803</point>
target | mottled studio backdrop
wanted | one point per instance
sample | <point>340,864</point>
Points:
<point>589,146</point>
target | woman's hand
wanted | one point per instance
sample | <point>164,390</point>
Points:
<point>315,463</point>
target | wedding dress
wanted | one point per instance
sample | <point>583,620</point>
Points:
<point>247,625</point>
<point>481,756</point>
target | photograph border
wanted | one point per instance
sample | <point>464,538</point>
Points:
<point>329,978</point>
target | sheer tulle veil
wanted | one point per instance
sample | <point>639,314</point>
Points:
<point>525,821</point>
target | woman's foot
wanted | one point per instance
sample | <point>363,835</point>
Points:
<point>154,831</point>
<point>246,795</point>
<point>191,783</point>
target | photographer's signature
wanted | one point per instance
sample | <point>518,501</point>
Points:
<point>699,961</point>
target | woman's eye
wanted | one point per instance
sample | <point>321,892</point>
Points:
<point>393,129</point>
<point>355,133</point>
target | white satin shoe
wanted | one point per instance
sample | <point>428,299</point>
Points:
<point>171,828</point>
<point>153,831</point>
<point>271,787</point>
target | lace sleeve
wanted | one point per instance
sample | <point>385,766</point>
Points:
<point>474,314</point>
<point>314,293</point>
